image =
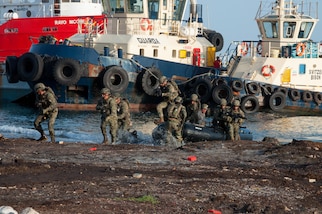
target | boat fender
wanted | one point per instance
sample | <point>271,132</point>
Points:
<point>268,70</point>
<point>249,104</point>
<point>30,67</point>
<point>67,71</point>
<point>294,94</point>
<point>222,91</point>
<point>11,69</point>
<point>307,96</point>
<point>150,80</point>
<point>317,98</point>
<point>282,89</point>
<point>146,24</point>
<point>203,89</point>
<point>253,88</point>
<point>243,48</point>
<point>116,79</point>
<point>277,101</point>
<point>237,85</point>
<point>220,81</point>
<point>300,49</point>
<point>267,89</point>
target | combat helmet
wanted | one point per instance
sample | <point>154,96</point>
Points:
<point>194,97</point>
<point>236,103</point>
<point>178,100</point>
<point>39,86</point>
<point>162,79</point>
<point>105,91</point>
<point>117,95</point>
<point>223,102</point>
<point>204,106</point>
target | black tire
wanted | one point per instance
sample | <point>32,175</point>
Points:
<point>317,98</point>
<point>267,89</point>
<point>116,79</point>
<point>307,96</point>
<point>237,85</point>
<point>203,89</point>
<point>277,101</point>
<point>217,40</point>
<point>294,94</point>
<point>220,81</point>
<point>67,71</point>
<point>282,89</point>
<point>222,91</point>
<point>30,67</point>
<point>11,69</point>
<point>253,88</point>
<point>150,80</point>
<point>249,104</point>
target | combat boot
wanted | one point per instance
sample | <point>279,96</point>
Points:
<point>161,120</point>
<point>42,137</point>
<point>52,137</point>
<point>105,140</point>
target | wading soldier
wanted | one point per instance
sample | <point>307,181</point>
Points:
<point>193,108</point>
<point>221,115</point>
<point>236,118</point>
<point>123,112</point>
<point>108,109</point>
<point>47,104</point>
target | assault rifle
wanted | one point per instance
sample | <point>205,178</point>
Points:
<point>235,117</point>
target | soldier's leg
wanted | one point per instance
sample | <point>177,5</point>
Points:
<point>37,124</point>
<point>230,132</point>
<point>160,108</point>
<point>236,132</point>
<point>103,129</point>
<point>113,128</point>
<point>51,123</point>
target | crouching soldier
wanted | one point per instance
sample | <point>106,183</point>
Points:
<point>235,119</point>
<point>177,115</point>
<point>123,112</point>
<point>108,109</point>
<point>47,104</point>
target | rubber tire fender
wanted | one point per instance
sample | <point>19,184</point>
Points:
<point>317,97</point>
<point>267,89</point>
<point>277,101</point>
<point>150,80</point>
<point>249,104</point>
<point>30,67</point>
<point>219,81</point>
<point>253,88</point>
<point>11,69</point>
<point>282,89</point>
<point>203,89</point>
<point>217,40</point>
<point>116,79</point>
<point>237,85</point>
<point>294,94</point>
<point>307,96</point>
<point>67,71</point>
<point>222,91</point>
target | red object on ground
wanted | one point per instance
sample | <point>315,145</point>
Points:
<point>93,149</point>
<point>192,158</point>
<point>214,211</point>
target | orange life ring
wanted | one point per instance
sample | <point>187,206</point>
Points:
<point>145,24</point>
<point>244,48</point>
<point>300,49</point>
<point>269,73</point>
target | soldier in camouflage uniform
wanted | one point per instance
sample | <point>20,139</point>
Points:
<point>177,115</point>
<point>193,108</point>
<point>221,114</point>
<point>202,115</point>
<point>47,104</point>
<point>169,92</point>
<point>235,119</point>
<point>108,108</point>
<point>123,112</point>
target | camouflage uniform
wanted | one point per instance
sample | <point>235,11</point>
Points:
<point>123,112</point>
<point>221,115</point>
<point>193,108</point>
<point>169,93</point>
<point>202,115</point>
<point>108,108</point>
<point>236,118</point>
<point>177,115</point>
<point>47,104</point>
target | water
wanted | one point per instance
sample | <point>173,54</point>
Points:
<point>84,126</point>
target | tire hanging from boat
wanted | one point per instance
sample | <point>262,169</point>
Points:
<point>277,101</point>
<point>282,89</point>
<point>203,89</point>
<point>294,94</point>
<point>253,88</point>
<point>307,96</point>
<point>222,91</point>
<point>30,67</point>
<point>249,104</point>
<point>116,79</point>
<point>67,71</point>
<point>150,80</point>
<point>317,98</point>
<point>237,85</point>
<point>219,81</point>
<point>11,69</point>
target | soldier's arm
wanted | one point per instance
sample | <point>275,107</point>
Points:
<point>52,103</point>
<point>125,110</point>
<point>113,107</point>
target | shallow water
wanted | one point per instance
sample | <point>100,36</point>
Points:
<point>84,126</point>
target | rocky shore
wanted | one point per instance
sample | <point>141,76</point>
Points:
<point>205,177</point>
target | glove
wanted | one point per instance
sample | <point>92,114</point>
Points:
<point>240,120</point>
<point>44,111</point>
<point>229,119</point>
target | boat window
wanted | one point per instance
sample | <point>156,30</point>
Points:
<point>75,0</point>
<point>302,68</point>
<point>117,6</point>
<point>153,9</point>
<point>305,29</point>
<point>174,53</point>
<point>178,10</point>
<point>135,6</point>
<point>45,1</point>
<point>288,29</point>
<point>155,52</point>
<point>141,52</point>
<point>271,29</point>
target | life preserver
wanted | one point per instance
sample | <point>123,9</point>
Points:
<point>243,48</point>
<point>295,94</point>
<point>11,69</point>
<point>150,81</point>
<point>145,24</point>
<point>269,73</point>
<point>300,49</point>
<point>116,79</point>
<point>30,67</point>
<point>317,98</point>
<point>277,101</point>
<point>307,96</point>
<point>67,71</point>
<point>222,91</point>
<point>203,89</point>
<point>249,104</point>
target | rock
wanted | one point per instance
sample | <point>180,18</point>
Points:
<point>7,210</point>
<point>29,210</point>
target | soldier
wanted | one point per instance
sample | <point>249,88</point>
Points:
<point>177,115</point>
<point>169,91</point>
<point>221,115</point>
<point>235,119</point>
<point>108,108</point>
<point>202,115</point>
<point>123,112</point>
<point>193,108</point>
<point>47,104</point>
